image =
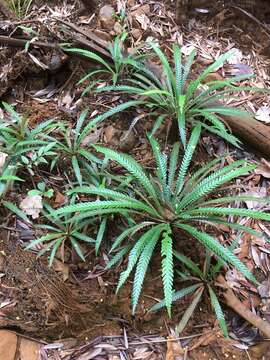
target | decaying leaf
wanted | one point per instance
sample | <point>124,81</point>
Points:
<point>263,114</point>
<point>3,157</point>
<point>263,169</point>
<point>32,205</point>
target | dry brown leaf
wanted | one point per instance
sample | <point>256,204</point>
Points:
<point>61,267</point>
<point>174,350</point>
<point>59,199</point>
<point>8,345</point>
<point>29,350</point>
<point>263,169</point>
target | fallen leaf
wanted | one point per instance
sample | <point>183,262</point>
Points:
<point>263,169</point>
<point>236,58</point>
<point>3,157</point>
<point>8,345</point>
<point>59,199</point>
<point>29,350</point>
<point>263,114</point>
<point>174,349</point>
<point>32,205</point>
<point>61,267</point>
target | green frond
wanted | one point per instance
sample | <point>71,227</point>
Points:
<point>142,265</point>
<point>214,181</point>
<point>134,255</point>
<point>176,296</point>
<point>218,311</point>
<point>133,167</point>
<point>220,251</point>
<point>161,161</point>
<point>90,55</point>
<point>167,267</point>
<point>188,263</point>
<point>177,55</point>
<point>118,205</point>
<point>100,234</point>
<point>174,157</point>
<point>118,256</point>
<point>114,110</point>
<point>230,211</point>
<point>189,311</point>
<point>129,232</point>
<point>191,146</point>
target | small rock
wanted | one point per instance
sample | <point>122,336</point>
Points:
<point>107,16</point>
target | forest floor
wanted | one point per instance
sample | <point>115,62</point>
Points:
<point>70,311</point>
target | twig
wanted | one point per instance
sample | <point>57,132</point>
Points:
<point>6,40</point>
<point>234,303</point>
<point>95,41</point>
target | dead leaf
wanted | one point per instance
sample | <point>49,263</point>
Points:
<point>8,345</point>
<point>263,114</point>
<point>174,350</point>
<point>61,267</point>
<point>263,169</point>
<point>32,205</point>
<point>29,350</point>
<point>237,56</point>
<point>59,199</point>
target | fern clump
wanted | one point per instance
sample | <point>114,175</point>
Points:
<point>162,205</point>
<point>187,102</point>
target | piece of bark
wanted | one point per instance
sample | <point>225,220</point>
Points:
<point>251,132</point>
<point>6,40</point>
<point>234,303</point>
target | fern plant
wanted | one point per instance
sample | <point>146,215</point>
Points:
<point>20,7</point>
<point>163,206</point>
<point>121,62</point>
<point>74,145</point>
<point>185,101</point>
<point>202,280</point>
<point>60,232</point>
<point>25,147</point>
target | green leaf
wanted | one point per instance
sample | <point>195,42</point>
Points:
<point>218,310</point>
<point>133,167</point>
<point>142,265</point>
<point>134,255</point>
<point>188,263</point>
<point>189,311</point>
<point>167,268</point>
<point>100,234</point>
<point>12,207</point>
<point>176,296</point>
<point>77,248</point>
<point>194,138</point>
<point>220,251</point>
<point>76,169</point>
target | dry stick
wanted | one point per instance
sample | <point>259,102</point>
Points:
<point>95,41</point>
<point>233,302</point>
<point>6,40</point>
